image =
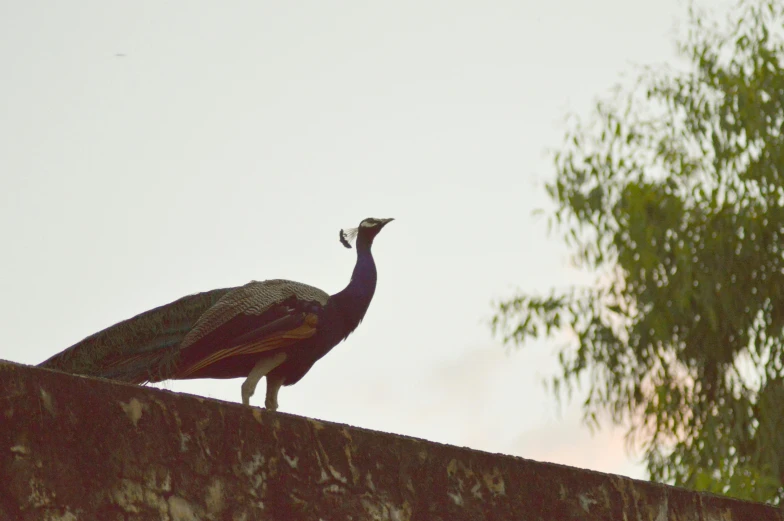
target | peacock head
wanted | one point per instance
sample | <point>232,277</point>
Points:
<point>364,233</point>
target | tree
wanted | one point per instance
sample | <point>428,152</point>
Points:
<point>673,196</point>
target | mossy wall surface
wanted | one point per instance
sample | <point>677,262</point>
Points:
<point>74,448</point>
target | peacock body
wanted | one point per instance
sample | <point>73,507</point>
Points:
<point>274,328</point>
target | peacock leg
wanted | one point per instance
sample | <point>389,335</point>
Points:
<point>264,366</point>
<point>273,386</point>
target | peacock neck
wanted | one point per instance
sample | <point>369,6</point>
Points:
<point>355,298</point>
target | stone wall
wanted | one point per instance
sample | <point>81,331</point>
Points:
<point>74,448</point>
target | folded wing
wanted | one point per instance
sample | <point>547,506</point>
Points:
<point>246,325</point>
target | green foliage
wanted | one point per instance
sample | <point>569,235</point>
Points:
<point>674,196</point>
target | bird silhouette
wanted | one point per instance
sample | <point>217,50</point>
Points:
<point>275,328</point>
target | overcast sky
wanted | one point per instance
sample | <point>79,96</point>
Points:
<point>151,149</point>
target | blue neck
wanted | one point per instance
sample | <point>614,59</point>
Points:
<point>355,298</point>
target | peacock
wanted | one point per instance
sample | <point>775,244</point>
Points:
<point>275,328</point>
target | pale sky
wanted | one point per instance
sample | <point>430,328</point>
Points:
<point>150,150</point>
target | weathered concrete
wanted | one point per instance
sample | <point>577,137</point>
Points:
<point>74,448</point>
